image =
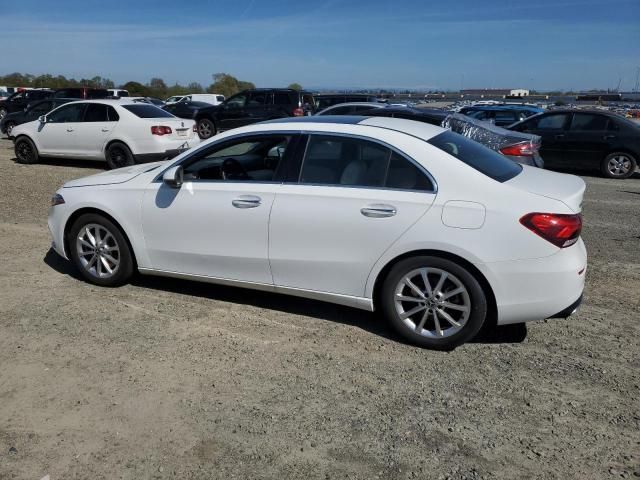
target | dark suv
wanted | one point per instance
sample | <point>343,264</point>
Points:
<point>244,108</point>
<point>19,100</point>
<point>84,93</point>
<point>31,113</point>
<point>325,100</point>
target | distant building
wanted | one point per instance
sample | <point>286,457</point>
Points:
<point>496,92</point>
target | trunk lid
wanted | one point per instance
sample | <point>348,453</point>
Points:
<point>181,128</point>
<point>569,189</point>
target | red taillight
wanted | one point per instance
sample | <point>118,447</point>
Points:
<point>161,130</point>
<point>298,112</point>
<point>524,149</point>
<point>560,229</point>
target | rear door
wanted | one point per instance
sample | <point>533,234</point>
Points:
<point>551,127</point>
<point>95,129</point>
<point>58,136</point>
<point>587,139</point>
<point>351,200</point>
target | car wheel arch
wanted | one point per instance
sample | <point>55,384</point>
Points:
<point>86,210</point>
<point>111,141</point>
<point>492,311</point>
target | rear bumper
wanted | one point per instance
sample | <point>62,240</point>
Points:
<point>535,289</point>
<point>570,310</point>
<point>159,156</point>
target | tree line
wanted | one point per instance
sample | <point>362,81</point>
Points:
<point>222,83</point>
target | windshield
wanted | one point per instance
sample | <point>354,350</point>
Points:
<point>477,156</point>
<point>147,111</point>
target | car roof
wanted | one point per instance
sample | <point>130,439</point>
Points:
<point>421,130</point>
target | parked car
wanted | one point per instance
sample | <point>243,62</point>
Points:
<point>118,92</point>
<point>20,100</point>
<point>435,231</point>
<point>152,100</point>
<point>249,106</point>
<point>118,131</point>
<point>501,115</point>
<point>210,98</point>
<point>586,139</point>
<point>325,100</point>
<point>352,108</point>
<point>174,99</point>
<point>82,93</point>
<point>520,147</point>
<point>32,112</point>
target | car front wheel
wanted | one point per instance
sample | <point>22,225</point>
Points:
<point>100,251</point>
<point>9,127</point>
<point>3,112</point>
<point>433,302</point>
<point>26,151</point>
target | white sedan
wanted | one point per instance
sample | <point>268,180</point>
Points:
<point>438,232</point>
<point>122,132</point>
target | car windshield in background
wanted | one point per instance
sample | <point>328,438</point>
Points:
<point>147,111</point>
<point>477,156</point>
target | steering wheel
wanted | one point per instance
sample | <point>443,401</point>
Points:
<point>232,169</point>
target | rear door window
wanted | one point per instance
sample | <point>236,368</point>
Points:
<point>258,99</point>
<point>477,156</point>
<point>355,162</point>
<point>96,112</point>
<point>589,122</point>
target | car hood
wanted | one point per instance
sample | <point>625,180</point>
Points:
<point>110,177</point>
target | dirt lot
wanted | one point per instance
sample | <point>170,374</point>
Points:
<point>173,379</point>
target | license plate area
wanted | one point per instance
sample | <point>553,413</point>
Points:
<point>182,132</point>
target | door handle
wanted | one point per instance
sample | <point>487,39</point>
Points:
<point>378,211</point>
<point>559,136</point>
<point>246,201</point>
<point>105,129</point>
<point>609,137</point>
<point>69,129</point>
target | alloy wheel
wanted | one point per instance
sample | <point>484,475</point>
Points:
<point>619,165</point>
<point>98,251</point>
<point>24,152</point>
<point>118,157</point>
<point>432,302</point>
<point>204,129</point>
<point>9,127</point>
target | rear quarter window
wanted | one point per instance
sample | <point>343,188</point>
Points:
<point>477,156</point>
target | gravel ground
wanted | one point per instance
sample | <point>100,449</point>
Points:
<point>174,379</point>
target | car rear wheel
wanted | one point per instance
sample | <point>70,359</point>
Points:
<point>433,302</point>
<point>99,251</point>
<point>618,165</point>
<point>118,155</point>
<point>26,151</point>
<point>3,112</point>
<point>206,128</point>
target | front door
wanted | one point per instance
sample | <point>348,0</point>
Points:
<point>217,223</point>
<point>58,136</point>
<point>232,112</point>
<point>354,199</point>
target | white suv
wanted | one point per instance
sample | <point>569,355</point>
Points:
<point>122,132</point>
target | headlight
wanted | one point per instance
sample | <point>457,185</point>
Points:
<point>57,200</point>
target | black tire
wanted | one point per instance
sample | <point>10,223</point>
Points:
<point>472,298</point>
<point>618,165</point>
<point>125,266</point>
<point>8,127</point>
<point>3,113</point>
<point>118,155</point>
<point>26,151</point>
<point>206,128</point>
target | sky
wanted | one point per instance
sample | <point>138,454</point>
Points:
<point>416,44</point>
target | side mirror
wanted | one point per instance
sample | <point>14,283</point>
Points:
<point>174,177</point>
<point>42,119</point>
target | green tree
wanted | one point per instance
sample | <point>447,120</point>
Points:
<point>136,89</point>
<point>157,88</point>
<point>295,86</point>
<point>228,85</point>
